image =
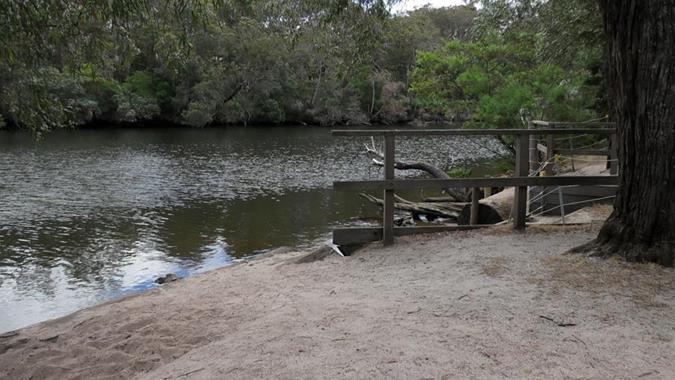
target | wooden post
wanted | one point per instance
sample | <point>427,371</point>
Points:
<point>561,199</point>
<point>475,197</point>
<point>533,156</point>
<point>571,144</point>
<point>388,221</point>
<point>613,154</point>
<point>548,170</point>
<point>520,198</point>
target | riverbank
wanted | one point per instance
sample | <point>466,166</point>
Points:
<point>88,215</point>
<point>486,304</point>
<point>163,124</point>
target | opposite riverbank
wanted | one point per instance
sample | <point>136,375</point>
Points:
<point>486,304</point>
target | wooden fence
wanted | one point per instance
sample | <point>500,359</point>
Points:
<point>521,179</point>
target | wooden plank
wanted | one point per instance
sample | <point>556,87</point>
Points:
<point>468,132</point>
<point>572,198</point>
<point>475,197</point>
<point>591,191</point>
<point>413,184</point>
<point>388,215</point>
<point>563,123</point>
<point>550,146</point>
<point>583,152</point>
<point>361,235</point>
<point>542,148</point>
<point>587,194</point>
<point>520,198</point>
<point>533,156</point>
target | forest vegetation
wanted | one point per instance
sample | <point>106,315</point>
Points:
<point>198,63</point>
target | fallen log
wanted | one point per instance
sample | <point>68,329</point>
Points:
<point>456,195</point>
<point>491,210</point>
<point>433,210</point>
<point>438,199</point>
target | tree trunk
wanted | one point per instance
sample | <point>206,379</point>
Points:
<point>318,85</point>
<point>641,88</point>
<point>491,210</point>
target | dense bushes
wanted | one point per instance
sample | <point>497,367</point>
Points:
<point>257,62</point>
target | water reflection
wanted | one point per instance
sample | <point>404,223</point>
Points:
<point>90,215</point>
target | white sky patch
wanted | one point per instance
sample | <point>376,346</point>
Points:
<point>409,5</point>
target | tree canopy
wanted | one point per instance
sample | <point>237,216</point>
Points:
<point>198,62</point>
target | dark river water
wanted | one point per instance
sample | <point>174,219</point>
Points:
<point>91,215</point>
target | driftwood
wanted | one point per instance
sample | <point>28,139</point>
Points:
<point>438,199</point>
<point>430,209</point>
<point>456,195</point>
<point>491,210</point>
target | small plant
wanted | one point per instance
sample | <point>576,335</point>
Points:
<point>460,172</point>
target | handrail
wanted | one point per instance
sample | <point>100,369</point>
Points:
<point>469,132</point>
<point>524,141</point>
<point>563,123</point>
<point>414,184</point>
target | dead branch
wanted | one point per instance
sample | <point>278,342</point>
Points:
<point>374,153</point>
<point>438,210</point>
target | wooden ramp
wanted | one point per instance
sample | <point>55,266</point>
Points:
<point>576,198</point>
<point>548,200</point>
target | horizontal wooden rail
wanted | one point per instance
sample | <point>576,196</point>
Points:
<point>361,235</point>
<point>469,132</point>
<point>527,161</point>
<point>412,184</point>
<point>563,123</point>
<point>569,152</point>
<point>583,152</point>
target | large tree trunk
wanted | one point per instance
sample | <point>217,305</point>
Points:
<point>641,88</point>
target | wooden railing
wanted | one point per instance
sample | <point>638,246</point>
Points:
<point>550,149</point>
<point>521,179</point>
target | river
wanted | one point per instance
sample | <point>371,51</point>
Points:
<point>90,215</point>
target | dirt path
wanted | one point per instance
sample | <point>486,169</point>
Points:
<point>464,305</point>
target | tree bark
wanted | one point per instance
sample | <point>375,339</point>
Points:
<point>641,88</point>
<point>491,210</point>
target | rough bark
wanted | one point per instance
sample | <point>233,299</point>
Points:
<point>641,88</point>
<point>491,210</point>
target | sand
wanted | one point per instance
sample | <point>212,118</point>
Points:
<point>463,305</point>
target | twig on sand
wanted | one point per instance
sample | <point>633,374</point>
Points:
<point>190,373</point>
<point>52,338</point>
<point>561,324</point>
<point>9,334</point>
<point>579,339</point>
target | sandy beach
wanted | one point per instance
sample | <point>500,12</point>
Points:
<point>482,304</point>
